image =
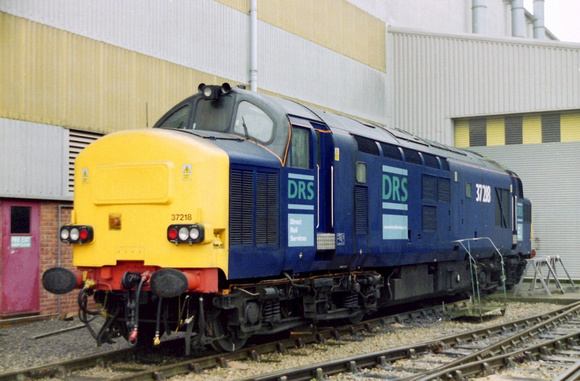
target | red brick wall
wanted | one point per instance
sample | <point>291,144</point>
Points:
<point>49,255</point>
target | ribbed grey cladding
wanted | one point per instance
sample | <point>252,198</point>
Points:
<point>436,78</point>
<point>551,180</point>
<point>33,160</point>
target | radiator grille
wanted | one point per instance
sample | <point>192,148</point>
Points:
<point>429,217</point>
<point>361,210</point>
<point>267,208</point>
<point>254,206</point>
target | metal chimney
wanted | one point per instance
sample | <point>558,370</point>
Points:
<point>539,26</point>
<point>518,19</point>
<point>478,12</point>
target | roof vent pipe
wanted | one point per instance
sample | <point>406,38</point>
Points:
<point>518,19</point>
<point>539,26</point>
<point>478,13</point>
<point>254,45</point>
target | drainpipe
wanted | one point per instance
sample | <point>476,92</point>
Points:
<point>478,13</point>
<point>539,26</point>
<point>518,19</point>
<point>254,45</point>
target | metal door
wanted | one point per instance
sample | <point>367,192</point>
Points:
<point>19,268</point>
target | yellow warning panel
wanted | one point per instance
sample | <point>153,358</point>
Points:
<point>133,183</point>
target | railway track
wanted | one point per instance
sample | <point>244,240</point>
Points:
<point>130,363</point>
<point>543,347</point>
<point>452,357</point>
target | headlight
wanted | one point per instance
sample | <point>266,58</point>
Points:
<point>76,234</point>
<point>185,234</point>
<point>64,234</point>
<point>194,233</point>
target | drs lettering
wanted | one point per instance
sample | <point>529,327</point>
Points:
<point>395,188</point>
<point>300,189</point>
<point>483,193</point>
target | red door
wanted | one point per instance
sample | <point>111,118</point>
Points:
<point>19,265</point>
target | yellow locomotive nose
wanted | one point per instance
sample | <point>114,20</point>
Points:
<point>137,189</point>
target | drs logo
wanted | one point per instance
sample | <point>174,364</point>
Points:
<point>300,189</point>
<point>395,188</point>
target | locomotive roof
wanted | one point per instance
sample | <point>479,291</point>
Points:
<point>347,125</point>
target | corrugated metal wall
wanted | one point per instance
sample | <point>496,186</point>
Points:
<point>121,56</point>
<point>438,77</point>
<point>56,77</point>
<point>33,160</point>
<point>551,179</point>
<point>300,69</point>
<point>335,25</point>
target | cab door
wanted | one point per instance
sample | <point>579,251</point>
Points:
<point>310,196</point>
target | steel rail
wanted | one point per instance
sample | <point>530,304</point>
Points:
<point>383,357</point>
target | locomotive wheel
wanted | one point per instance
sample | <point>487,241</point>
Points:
<point>225,340</point>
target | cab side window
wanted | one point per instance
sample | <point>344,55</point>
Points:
<point>253,123</point>
<point>300,155</point>
<point>178,119</point>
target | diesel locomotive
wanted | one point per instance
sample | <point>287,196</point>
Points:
<point>243,214</point>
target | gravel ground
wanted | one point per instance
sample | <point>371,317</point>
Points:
<point>21,346</point>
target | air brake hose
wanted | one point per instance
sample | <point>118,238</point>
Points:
<point>144,279</point>
<point>83,301</point>
<point>156,340</point>
<point>135,332</point>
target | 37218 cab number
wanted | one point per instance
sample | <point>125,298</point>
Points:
<point>181,217</point>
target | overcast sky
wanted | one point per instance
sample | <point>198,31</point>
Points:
<point>562,17</point>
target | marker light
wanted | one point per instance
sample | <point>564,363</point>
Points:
<point>172,234</point>
<point>207,92</point>
<point>185,234</point>
<point>76,234</point>
<point>213,92</point>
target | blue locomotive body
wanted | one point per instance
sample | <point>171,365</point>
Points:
<point>351,195</point>
<point>277,214</point>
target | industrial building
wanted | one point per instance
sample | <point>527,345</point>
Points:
<point>487,75</point>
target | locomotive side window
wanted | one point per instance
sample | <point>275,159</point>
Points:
<point>527,213</point>
<point>468,190</point>
<point>361,172</point>
<point>253,123</point>
<point>300,157</point>
<point>502,208</point>
<point>178,119</point>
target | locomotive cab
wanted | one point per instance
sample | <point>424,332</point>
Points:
<point>221,109</point>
